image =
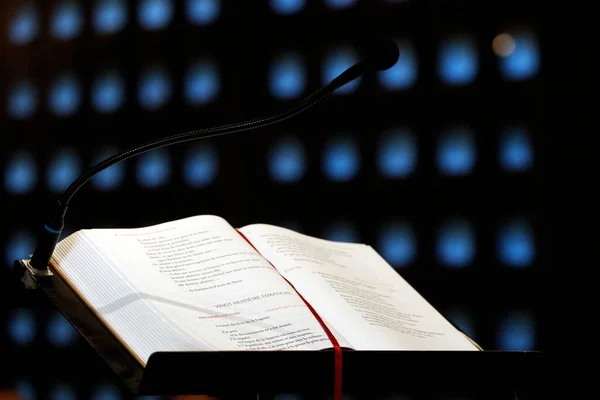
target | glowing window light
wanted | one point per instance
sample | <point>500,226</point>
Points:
<point>112,177</point>
<point>341,159</point>
<point>287,77</point>
<point>456,152</point>
<point>63,392</point>
<point>516,150</point>
<point>336,62</point>
<point>108,92</point>
<point>463,321</point>
<point>201,166</point>
<point>397,153</point>
<point>516,332</point>
<point>516,245</point>
<point>26,390</point>
<point>19,247</point>
<point>65,95</point>
<point>155,14</point>
<point>455,245</point>
<point>25,25</point>
<point>458,63</point>
<point>202,83</point>
<point>287,160</point>
<point>22,326</point>
<point>67,20</point>
<point>63,169</point>
<point>524,61</point>
<point>397,244</point>
<point>287,7</point>
<point>154,90</point>
<point>403,74</point>
<point>203,12</point>
<point>110,16</point>
<point>341,232</point>
<point>20,174</point>
<point>60,332</point>
<point>339,4</point>
<point>22,100</point>
<point>153,169</point>
<point>106,392</point>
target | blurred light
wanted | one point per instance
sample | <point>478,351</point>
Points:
<point>154,89</point>
<point>63,169</point>
<point>503,44</point>
<point>110,16</point>
<point>65,95</point>
<point>341,232</point>
<point>19,247</point>
<point>287,396</point>
<point>517,332</point>
<point>524,61</point>
<point>25,25</point>
<point>458,61</point>
<point>516,150</point>
<point>462,321</point>
<point>20,174</point>
<point>201,166</point>
<point>339,4</point>
<point>203,12</point>
<point>110,178</point>
<point>456,244</point>
<point>108,92</point>
<point>404,73</point>
<point>60,331</point>
<point>106,392</point>
<point>155,14</point>
<point>153,169</point>
<point>336,62</point>
<point>287,162</point>
<point>67,20</point>
<point>63,392</point>
<point>26,390</point>
<point>22,99</point>
<point>341,159</point>
<point>456,153</point>
<point>396,243</point>
<point>516,247</point>
<point>287,77</point>
<point>22,326</point>
<point>397,153</point>
<point>287,7</point>
<point>202,83</point>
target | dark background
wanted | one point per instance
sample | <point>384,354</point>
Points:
<point>461,125</point>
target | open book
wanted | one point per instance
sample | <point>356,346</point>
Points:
<point>199,284</point>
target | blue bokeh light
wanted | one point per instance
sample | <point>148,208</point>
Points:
<point>201,166</point>
<point>287,7</point>
<point>65,95</point>
<point>404,73</point>
<point>108,92</point>
<point>154,89</point>
<point>336,62</point>
<point>63,169</point>
<point>25,25</point>
<point>458,63</point>
<point>516,332</point>
<point>22,326</point>
<point>202,83</point>
<point>22,100</point>
<point>202,12</point>
<point>155,14</point>
<point>26,390</point>
<point>341,231</point>
<point>516,244</point>
<point>63,392</point>
<point>153,169</point>
<point>455,245</point>
<point>60,332</point>
<point>67,20</point>
<point>110,178</point>
<point>287,77</point>
<point>515,150</point>
<point>341,159</point>
<point>19,247</point>
<point>106,392</point>
<point>110,16</point>
<point>463,321</point>
<point>287,160</point>
<point>456,152</point>
<point>339,4</point>
<point>20,174</point>
<point>397,153</point>
<point>524,61</point>
<point>396,243</point>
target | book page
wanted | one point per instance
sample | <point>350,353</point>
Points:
<point>357,292</point>
<point>204,279</point>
